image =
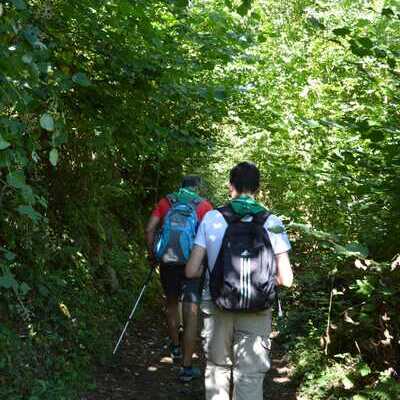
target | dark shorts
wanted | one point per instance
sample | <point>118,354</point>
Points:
<point>176,285</point>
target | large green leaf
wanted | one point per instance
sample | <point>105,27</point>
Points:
<point>347,383</point>
<point>364,369</point>
<point>220,94</point>
<point>53,157</point>
<point>47,122</point>
<point>364,287</point>
<point>19,4</point>
<point>365,42</point>
<point>357,249</point>
<point>7,281</point>
<point>342,31</point>
<point>16,179</point>
<point>276,229</point>
<point>24,288</point>
<point>3,143</point>
<point>30,212</point>
<point>9,255</point>
<point>388,12</point>
<point>244,7</point>
<point>81,79</point>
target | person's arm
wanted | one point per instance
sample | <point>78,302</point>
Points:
<point>150,234</point>
<point>284,274</point>
<point>194,267</point>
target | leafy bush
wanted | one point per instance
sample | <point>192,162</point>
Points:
<point>104,105</point>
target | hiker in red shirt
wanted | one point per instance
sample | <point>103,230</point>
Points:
<point>171,248</point>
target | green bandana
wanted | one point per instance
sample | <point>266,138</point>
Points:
<point>246,205</point>
<point>185,195</point>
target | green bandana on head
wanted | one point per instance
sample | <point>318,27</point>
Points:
<point>185,195</point>
<point>246,205</point>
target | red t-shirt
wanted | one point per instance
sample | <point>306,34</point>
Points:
<point>164,205</point>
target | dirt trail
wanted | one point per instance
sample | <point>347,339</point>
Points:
<point>144,371</point>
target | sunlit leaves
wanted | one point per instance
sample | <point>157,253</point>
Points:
<point>347,383</point>
<point>364,287</point>
<point>64,309</point>
<point>364,369</point>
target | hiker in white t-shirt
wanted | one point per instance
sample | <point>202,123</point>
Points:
<point>247,251</point>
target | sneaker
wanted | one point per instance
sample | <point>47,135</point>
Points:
<point>176,352</point>
<point>187,374</point>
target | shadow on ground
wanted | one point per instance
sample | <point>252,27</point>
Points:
<point>143,370</point>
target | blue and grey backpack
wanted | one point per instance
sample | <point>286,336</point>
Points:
<point>176,237</point>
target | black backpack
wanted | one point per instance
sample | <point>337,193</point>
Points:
<point>243,277</point>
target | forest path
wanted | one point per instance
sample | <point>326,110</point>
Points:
<point>143,369</point>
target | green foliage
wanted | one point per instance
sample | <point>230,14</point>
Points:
<point>104,105</point>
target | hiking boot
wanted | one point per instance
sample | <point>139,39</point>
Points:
<point>176,352</point>
<point>187,374</point>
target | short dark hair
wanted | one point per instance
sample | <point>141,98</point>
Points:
<point>245,177</point>
<point>193,181</point>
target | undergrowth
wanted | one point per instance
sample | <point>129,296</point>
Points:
<point>52,336</point>
<point>341,362</point>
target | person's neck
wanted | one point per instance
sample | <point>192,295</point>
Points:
<point>236,195</point>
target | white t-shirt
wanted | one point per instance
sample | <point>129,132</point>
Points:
<point>211,232</point>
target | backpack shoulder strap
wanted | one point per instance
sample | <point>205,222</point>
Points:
<point>171,198</point>
<point>196,202</point>
<point>228,214</point>
<point>261,217</point>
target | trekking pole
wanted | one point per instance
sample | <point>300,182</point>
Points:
<point>146,282</point>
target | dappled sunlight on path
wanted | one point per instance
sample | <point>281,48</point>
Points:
<point>144,370</point>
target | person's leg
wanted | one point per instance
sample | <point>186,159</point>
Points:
<point>217,380</point>
<point>190,307</point>
<point>217,337</point>
<point>190,317</point>
<point>173,319</point>
<point>171,282</point>
<point>251,354</point>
